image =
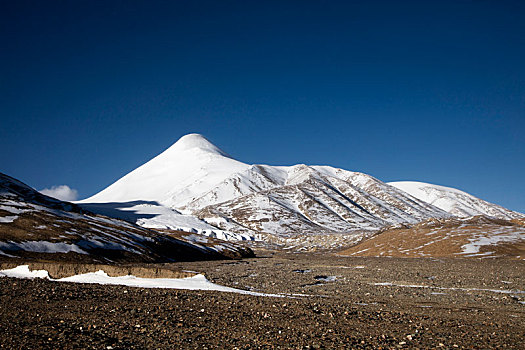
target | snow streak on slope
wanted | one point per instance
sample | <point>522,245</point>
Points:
<point>456,202</point>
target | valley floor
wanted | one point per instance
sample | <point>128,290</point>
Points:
<point>337,302</point>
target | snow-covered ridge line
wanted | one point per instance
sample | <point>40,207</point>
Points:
<point>195,186</point>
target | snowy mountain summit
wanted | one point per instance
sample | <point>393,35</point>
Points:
<point>194,185</point>
<point>175,176</point>
<point>197,141</point>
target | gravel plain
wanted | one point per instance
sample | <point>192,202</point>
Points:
<point>327,302</point>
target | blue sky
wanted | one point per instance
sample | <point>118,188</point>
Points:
<point>425,90</point>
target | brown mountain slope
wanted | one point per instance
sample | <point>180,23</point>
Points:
<point>33,225</point>
<point>477,237</point>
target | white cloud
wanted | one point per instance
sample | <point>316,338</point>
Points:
<point>62,192</point>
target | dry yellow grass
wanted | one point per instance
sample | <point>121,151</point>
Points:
<point>478,237</point>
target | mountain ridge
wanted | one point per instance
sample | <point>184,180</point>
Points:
<point>195,178</point>
<point>454,201</point>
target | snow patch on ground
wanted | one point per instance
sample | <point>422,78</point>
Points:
<point>23,271</point>
<point>501,291</point>
<point>477,242</point>
<point>326,278</point>
<point>198,282</point>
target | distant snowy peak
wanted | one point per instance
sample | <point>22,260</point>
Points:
<point>454,201</point>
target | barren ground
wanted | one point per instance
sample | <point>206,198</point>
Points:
<point>463,303</point>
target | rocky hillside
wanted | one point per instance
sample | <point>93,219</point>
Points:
<point>33,225</point>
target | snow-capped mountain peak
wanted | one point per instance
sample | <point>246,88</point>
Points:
<point>184,171</point>
<point>196,142</point>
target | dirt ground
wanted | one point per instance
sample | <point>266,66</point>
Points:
<point>328,302</point>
